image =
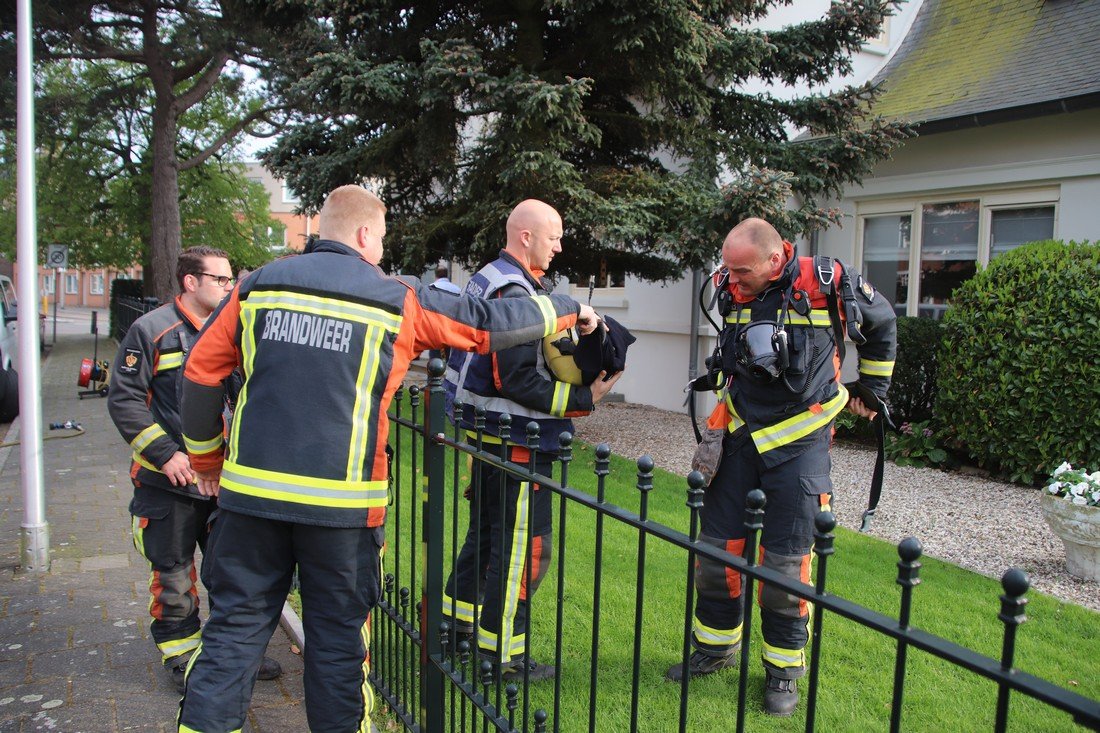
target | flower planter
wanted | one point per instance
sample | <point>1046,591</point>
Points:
<point>1079,529</point>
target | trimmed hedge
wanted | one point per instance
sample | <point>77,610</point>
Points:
<point>1019,374</point>
<point>913,387</point>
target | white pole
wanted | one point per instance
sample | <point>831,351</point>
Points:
<point>35,531</point>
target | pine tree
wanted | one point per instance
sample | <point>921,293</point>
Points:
<point>629,117</point>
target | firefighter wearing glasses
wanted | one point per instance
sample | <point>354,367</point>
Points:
<point>779,392</point>
<point>323,340</point>
<point>170,516</point>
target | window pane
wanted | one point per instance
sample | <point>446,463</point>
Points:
<point>886,256</point>
<point>1012,227</point>
<point>948,253</point>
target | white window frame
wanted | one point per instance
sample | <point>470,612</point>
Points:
<point>72,283</point>
<point>48,282</point>
<point>988,202</point>
<point>287,195</point>
<point>94,280</point>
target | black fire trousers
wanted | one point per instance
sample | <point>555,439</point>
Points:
<point>796,489</point>
<point>251,562</point>
<point>167,529</point>
<point>492,581</point>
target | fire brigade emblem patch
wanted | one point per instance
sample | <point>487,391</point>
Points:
<point>867,289</point>
<point>130,362</point>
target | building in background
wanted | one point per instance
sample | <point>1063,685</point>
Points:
<point>297,227</point>
<point>1005,98</point>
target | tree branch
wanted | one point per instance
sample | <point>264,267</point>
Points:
<point>205,82</point>
<point>225,137</point>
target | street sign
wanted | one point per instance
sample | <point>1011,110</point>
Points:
<point>57,255</point>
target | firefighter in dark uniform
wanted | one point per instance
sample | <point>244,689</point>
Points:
<point>169,514</point>
<point>779,394</point>
<point>519,382</point>
<point>323,340</point>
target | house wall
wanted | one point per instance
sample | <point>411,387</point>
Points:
<point>1059,151</point>
<point>283,205</point>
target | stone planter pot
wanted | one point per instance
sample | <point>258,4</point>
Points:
<point>1079,529</point>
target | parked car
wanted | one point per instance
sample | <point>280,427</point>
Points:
<point>9,351</point>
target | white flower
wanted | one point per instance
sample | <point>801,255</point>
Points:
<point>1079,489</point>
<point>1055,487</point>
<point>1094,478</point>
<point>1080,500</point>
<point>1062,469</point>
<point>1096,497</point>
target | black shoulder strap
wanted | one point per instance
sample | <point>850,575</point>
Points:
<point>823,266</point>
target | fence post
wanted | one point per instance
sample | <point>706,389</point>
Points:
<point>909,567</point>
<point>1015,583</point>
<point>431,677</point>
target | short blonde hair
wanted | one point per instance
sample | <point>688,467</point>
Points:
<point>346,209</point>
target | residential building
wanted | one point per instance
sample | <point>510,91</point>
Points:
<point>1005,98</point>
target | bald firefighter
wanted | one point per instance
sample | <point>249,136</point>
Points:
<point>517,381</point>
<point>780,390</point>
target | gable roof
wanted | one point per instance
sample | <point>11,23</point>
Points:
<point>973,62</point>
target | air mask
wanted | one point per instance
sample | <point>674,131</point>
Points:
<point>762,350</point>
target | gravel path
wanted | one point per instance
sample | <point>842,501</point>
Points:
<point>983,525</point>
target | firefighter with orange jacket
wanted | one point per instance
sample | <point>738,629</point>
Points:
<point>324,340</point>
<point>779,392</point>
<point>169,515</point>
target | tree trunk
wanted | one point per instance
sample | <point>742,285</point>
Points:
<point>165,213</point>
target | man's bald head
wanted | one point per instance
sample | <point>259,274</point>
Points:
<point>753,255</point>
<point>534,232</point>
<point>348,211</point>
<point>755,233</point>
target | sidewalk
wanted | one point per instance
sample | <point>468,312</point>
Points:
<point>75,652</point>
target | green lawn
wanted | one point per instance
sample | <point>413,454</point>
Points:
<point>1060,642</point>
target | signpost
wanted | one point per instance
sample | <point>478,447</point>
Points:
<point>57,257</point>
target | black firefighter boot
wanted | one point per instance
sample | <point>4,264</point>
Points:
<point>700,663</point>
<point>780,695</point>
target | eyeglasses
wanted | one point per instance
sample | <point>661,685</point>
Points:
<point>221,280</point>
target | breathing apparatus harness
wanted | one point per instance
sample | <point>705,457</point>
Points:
<point>763,349</point>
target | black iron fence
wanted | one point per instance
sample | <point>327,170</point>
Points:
<point>432,679</point>
<point>125,310</point>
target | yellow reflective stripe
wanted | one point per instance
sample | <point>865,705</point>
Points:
<point>461,610</point>
<point>818,318</point>
<point>139,535</point>
<point>145,464</point>
<point>802,424</point>
<point>488,641</point>
<point>365,689</point>
<point>248,359</point>
<point>876,368</point>
<point>715,637</point>
<point>319,306</point>
<point>199,447</point>
<point>735,419</point>
<point>486,438</point>
<point>361,412</point>
<point>142,440</point>
<point>176,647</point>
<point>513,577</point>
<point>303,489</point>
<point>167,362</point>
<point>560,401</point>
<point>549,315</point>
<point>783,658</point>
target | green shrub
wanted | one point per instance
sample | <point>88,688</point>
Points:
<point>913,388</point>
<point>1019,378</point>
<point>916,444</point>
